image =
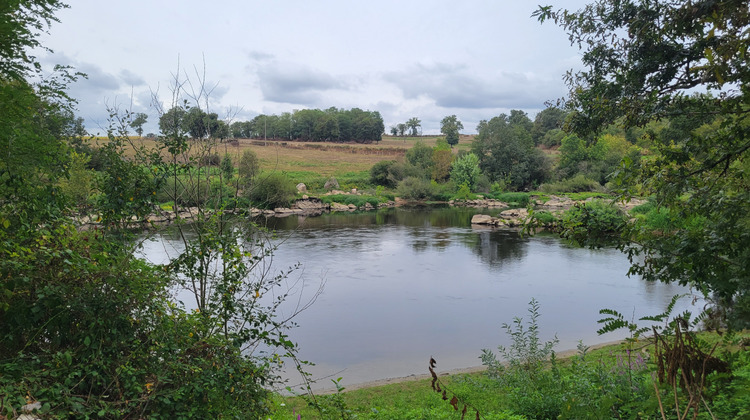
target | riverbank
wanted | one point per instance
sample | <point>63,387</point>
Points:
<point>565,354</point>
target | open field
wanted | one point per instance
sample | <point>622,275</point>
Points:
<point>322,158</point>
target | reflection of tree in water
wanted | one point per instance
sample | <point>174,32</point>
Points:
<point>496,247</point>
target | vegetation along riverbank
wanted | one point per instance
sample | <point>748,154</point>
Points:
<point>647,153</point>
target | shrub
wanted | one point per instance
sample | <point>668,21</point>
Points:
<point>413,188</point>
<point>578,183</point>
<point>379,173</point>
<point>210,160</point>
<point>186,190</point>
<point>594,223</point>
<point>227,167</point>
<point>534,391</point>
<point>466,170</point>
<point>464,193</point>
<point>514,199</point>
<point>544,218</point>
<point>249,166</point>
<point>272,190</point>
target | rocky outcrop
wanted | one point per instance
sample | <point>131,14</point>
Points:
<point>481,202</point>
<point>510,218</point>
<point>340,207</point>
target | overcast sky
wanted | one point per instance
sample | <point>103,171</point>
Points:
<point>425,59</point>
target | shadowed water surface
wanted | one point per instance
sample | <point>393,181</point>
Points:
<point>402,285</point>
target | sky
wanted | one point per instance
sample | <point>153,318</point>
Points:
<point>407,58</point>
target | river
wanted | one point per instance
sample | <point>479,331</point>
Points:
<point>402,285</point>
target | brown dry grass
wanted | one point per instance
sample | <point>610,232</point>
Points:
<point>318,157</point>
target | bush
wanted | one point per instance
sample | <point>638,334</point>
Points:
<point>188,191</point>
<point>578,183</point>
<point>514,199</point>
<point>594,223</point>
<point>272,190</point>
<point>464,193</point>
<point>249,166</point>
<point>413,188</point>
<point>210,160</point>
<point>534,390</point>
<point>400,171</point>
<point>466,170</point>
<point>544,218</point>
<point>227,167</point>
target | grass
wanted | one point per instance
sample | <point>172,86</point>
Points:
<point>415,399</point>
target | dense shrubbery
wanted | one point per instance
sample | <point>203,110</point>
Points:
<point>513,199</point>
<point>593,223</point>
<point>578,183</point>
<point>414,188</point>
<point>272,190</point>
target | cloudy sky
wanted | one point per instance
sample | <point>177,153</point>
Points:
<point>418,58</point>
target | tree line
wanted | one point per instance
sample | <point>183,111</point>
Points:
<point>332,125</point>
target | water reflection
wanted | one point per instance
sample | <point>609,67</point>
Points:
<point>404,284</point>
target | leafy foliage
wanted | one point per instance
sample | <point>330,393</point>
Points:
<point>687,61</point>
<point>414,188</point>
<point>506,152</point>
<point>466,170</point>
<point>272,190</point>
<point>594,223</point>
<point>20,24</point>
<point>531,387</point>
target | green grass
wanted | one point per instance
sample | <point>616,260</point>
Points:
<point>415,399</point>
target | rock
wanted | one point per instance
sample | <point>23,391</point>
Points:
<point>514,217</point>
<point>354,191</point>
<point>331,184</point>
<point>302,187</point>
<point>310,205</point>
<point>339,207</point>
<point>482,219</point>
<point>556,203</point>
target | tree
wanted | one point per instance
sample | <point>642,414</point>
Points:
<point>507,153</point>
<point>645,61</point>
<point>414,124</point>
<point>379,173</point>
<point>194,123</point>
<point>420,156</point>
<point>249,167</point>
<point>20,24</point>
<point>450,126</point>
<point>171,122</point>
<point>401,129</point>
<point>548,119</point>
<point>138,121</point>
<point>442,158</point>
<point>89,329</point>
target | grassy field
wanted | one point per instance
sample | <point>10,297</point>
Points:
<point>322,159</point>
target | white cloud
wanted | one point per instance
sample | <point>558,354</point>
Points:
<point>426,59</point>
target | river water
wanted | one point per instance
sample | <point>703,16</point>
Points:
<point>402,285</point>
